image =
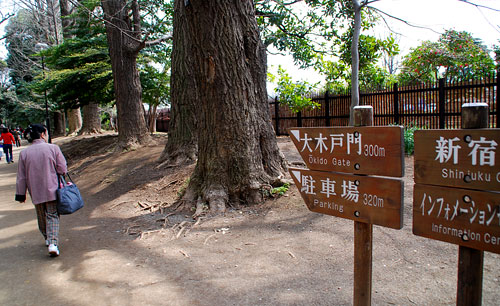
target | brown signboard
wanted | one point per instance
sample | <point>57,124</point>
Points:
<point>458,158</point>
<point>461,216</point>
<point>367,199</point>
<point>358,150</point>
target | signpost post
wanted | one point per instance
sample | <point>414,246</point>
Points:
<point>363,236</point>
<point>354,154</point>
<point>470,215</point>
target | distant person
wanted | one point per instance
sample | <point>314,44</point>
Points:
<point>17,136</point>
<point>37,172</point>
<point>8,141</point>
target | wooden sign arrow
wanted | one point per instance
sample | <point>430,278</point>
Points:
<point>358,150</point>
<point>367,199</point>
<point>458,158</point>
<point>461,216</point>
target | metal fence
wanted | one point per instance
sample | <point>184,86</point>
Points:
<point>432,106</point>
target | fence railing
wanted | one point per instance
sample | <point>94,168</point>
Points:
<point>433,106</point>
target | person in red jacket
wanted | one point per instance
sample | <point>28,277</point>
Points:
<point>8,140</point>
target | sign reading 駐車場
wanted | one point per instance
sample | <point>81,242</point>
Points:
<point>367,199</point>
<point>358,150</point>
<point>458,158</point>
<point>465,217</point>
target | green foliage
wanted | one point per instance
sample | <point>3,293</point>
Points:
<point>19,105</point>
<point>409,139</point>
<point>280,191</point>
<point>294,28</point>
<point>155,85</point>
<point>293,94</point>
<point>456,56</point>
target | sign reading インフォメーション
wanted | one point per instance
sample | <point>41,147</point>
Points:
<point>358,150</point>
<point>461,216</point>
<point>458,158</point>
<point>366,199</point>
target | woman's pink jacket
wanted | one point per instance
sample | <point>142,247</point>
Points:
<point>36,171</point>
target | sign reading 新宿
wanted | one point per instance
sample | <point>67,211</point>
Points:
<point>458,158</point>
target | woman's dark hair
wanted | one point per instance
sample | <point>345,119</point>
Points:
<point>5,130</point>
<point>35,131</point>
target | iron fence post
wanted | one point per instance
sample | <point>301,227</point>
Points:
<point>396,104</point>
<point>442,97</point>
<point>327,109</point>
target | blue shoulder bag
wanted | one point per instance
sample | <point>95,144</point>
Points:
<point>69,198</point>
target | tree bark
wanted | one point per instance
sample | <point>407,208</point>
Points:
<point>66,22</point>
<point>152,118</point>
<point>59,124</point>
<point>91,119</point>
<point>74,120</point>
<point>181,146</point>
<point>237,151</point>
<point>355,60</point>
<point>123,35</point>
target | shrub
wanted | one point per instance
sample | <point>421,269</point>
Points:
<point>409,140</point>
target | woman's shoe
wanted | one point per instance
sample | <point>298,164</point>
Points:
<point>53,250</point>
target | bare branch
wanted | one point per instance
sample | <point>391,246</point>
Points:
<point>479,5</point>
<point>158,41</point>
<point>5,18</point>
<point>402,20</point>
<point>366,3</point>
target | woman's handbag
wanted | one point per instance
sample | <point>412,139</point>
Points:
<point>69,198</point>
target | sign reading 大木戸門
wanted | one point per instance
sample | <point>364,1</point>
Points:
<point>367,199</point>
<point>458,158</point>
<point>358,150</point>
<point>465,217</point>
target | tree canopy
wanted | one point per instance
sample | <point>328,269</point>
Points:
<point>456,56</point>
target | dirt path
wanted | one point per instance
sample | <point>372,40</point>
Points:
<point>116,252</point>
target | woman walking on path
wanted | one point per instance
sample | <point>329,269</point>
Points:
<point>8,140</point>
<point>17,136</point>
<point>37,172</point>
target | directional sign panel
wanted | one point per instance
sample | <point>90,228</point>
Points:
<point>359,150</point>
<point>458,158</point>
<point>365,199</point>
<point>461,216</point>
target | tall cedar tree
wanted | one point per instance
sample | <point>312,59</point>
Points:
<point>123,28</point>
<point>237,150</point>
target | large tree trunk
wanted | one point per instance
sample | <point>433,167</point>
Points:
<point>74,120</point>
<point>59,124</point>
<point>238,155</point>
<point>181,146</point>
<point>91,119</point>
<point>124,45</point>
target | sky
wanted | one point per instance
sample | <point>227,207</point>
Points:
<point>434,15</point>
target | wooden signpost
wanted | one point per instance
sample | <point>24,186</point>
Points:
<point>458,158</point>
<point>461,216</point>
<point>367,199</point>
<point>468,217</point>
<point>357,151</point>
